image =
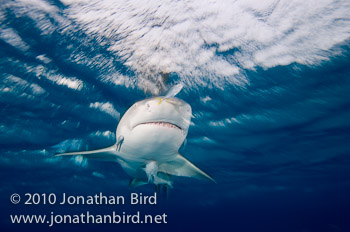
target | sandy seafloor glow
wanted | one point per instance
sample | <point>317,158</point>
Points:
<point>269,86</point>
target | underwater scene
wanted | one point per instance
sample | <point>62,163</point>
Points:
<point>228,115</point>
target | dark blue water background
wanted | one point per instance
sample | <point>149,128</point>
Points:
<point>277,147</point>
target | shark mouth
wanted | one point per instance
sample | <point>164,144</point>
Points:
<point>162,124</point>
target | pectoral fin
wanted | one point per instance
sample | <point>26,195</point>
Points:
<point>140,178</point>
<point>137,182</point>
<point>180,166</point>
<point>106,154</point>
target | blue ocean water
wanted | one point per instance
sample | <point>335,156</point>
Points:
<point>269,88</point>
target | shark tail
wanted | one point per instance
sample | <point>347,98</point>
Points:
<point>106,154</point>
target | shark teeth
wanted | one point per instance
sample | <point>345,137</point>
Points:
<point>163,124</point>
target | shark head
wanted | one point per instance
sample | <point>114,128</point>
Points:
<point>155,125</point>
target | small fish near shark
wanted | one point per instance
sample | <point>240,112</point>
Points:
<point>149,136</point>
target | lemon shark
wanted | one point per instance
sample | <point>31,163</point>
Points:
<point>149,136</point>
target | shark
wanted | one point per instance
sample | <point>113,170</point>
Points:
<point>148,138</point>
